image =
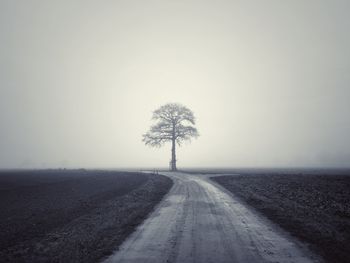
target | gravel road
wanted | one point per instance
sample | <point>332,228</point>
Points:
<point>198,221</point>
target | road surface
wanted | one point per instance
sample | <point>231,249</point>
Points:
<point>198,221</point>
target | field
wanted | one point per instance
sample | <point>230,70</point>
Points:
<point>314,206</point>
<point>72,215</point>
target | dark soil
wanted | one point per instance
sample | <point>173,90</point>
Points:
<point>313,208</point>
<point>72,215</point>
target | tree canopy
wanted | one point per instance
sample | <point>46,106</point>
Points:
<point>174,123</point>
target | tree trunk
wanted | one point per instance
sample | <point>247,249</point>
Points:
<point>173,151</point>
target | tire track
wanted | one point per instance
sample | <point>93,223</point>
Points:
<point>199,222</point>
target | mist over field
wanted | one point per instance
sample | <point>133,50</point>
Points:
<point>268,82</point>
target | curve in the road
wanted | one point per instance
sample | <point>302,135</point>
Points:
<point>199,222</point>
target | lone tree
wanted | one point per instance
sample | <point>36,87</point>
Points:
<point>175,124</point>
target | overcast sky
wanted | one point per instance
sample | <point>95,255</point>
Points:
<point>268,81</point>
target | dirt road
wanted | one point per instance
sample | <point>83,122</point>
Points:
<point>200,222</point>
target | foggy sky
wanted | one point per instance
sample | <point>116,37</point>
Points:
<point>268,81</point>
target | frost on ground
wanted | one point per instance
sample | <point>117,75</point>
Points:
<point>314,208</point>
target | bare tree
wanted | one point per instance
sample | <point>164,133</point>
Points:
<point>174,123</point>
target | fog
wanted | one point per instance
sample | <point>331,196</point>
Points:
<point>268,82</point>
